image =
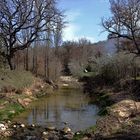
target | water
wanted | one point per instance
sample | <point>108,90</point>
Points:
<point>65,107</point>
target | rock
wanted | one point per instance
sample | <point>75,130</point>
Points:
<point>24,102</point>
<point>66,130</point>
<point>45,133</point>
<point>14,126</point>
<point>125,109</point>
<point>2,127</point>
<point>120,114</point>
<point>50,128</point>
<point>28,92</point>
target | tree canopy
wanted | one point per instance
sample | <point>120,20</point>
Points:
<point>24,21</point>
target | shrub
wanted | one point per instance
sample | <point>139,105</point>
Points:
<point>12,80</point>
<point>117,67</point>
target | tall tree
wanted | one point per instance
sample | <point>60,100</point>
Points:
<point>19,15</point>
<point>125,23</point>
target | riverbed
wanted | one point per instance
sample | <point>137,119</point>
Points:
<point>65,107</point>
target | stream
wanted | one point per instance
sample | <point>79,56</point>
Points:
<point>66,107</point>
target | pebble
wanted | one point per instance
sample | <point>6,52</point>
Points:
<point>2,127</point>
<point>14,126</point>
<point>33,125</point>
<point>66,129</point>
<point>45,133</point>
<point>77,133</point>
<point>22,125</point>
<point>8,121</point>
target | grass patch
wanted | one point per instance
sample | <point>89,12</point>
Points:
<point>10,111</point>
<point>16,79</point>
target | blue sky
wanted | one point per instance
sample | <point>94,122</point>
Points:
<point>84,19</point>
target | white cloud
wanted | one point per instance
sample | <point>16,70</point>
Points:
<point>70,33</point>
<point>72,28</point>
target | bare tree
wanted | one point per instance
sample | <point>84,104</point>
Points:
<point>17,16</point>
<point>125,22</point>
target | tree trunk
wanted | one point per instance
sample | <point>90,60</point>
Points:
<point>9,59</point>
<point>45,62</point>
<point>27,61</point>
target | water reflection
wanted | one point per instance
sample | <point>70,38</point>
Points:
<point>70,106</point>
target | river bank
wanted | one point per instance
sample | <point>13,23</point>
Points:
<point>119,108</point>
<point>15,98</point>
